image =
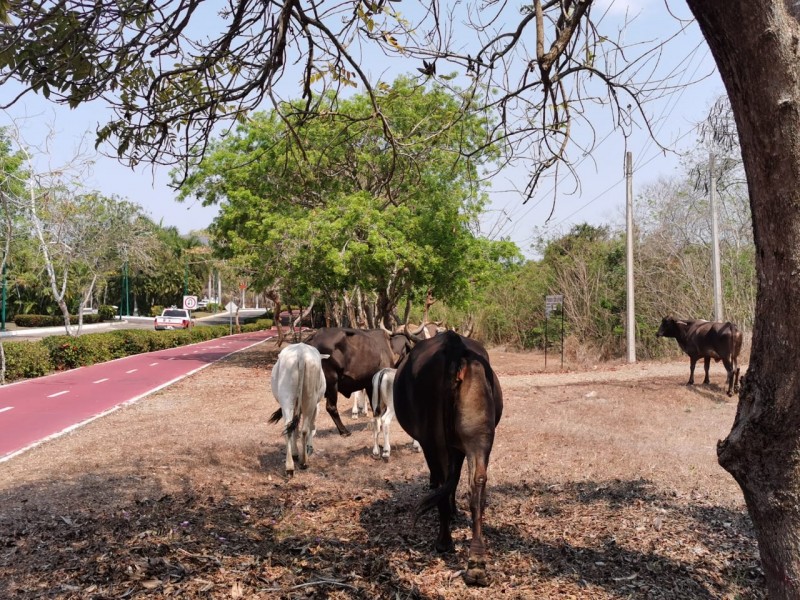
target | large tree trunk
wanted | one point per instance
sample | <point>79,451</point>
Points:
<point>755,45</point>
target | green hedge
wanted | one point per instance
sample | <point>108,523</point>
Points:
<point>62,352</point>
<point>53,320</point>
<point>26,359</point>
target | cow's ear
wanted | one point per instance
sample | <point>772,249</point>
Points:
<point>324,356</point>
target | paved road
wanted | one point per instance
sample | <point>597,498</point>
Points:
<point>36,410</point>
<point>32,334</point>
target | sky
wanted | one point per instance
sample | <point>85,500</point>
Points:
<point>600,198</point>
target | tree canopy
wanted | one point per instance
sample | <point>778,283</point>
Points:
<point>174,71</point>
<point>360,218</point>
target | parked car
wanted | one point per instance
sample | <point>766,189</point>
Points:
<point>174,318</point>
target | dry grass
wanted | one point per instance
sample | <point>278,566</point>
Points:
<point>603,484</point>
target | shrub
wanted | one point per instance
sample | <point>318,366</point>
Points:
<point>52,320</point>
<point>34,320</point>
<point>107,312</point>
<point>26,359</point>
<point>65,353</point>
<point>156,310</point>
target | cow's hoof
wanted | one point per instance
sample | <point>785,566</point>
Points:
<point>476,573</point>
<point>289,473</point>
<point>385,457</point>
<point>303,467</point>
<point>345,433</point>
<point>444,547</point>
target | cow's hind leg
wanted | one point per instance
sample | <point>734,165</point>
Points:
<point>386,421</point>
<point>447,503</point>
<point>706,365</point>
<point>730,375</point>
<point>376,429</point>
<point>476,563</point>
<point>291,450</point>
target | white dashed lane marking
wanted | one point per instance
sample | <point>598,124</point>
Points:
<point>153,364</point>
<point>58,394</point>
<point>101,380</point>
<point>6,408</point>
<point>132,371</point>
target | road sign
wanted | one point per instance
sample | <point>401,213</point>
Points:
<point>231,307</point>
<point>551,302</point>
<point>190,302</point>
<point>242,285</point>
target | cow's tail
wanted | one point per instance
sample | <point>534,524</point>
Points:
<point>432,500</point>
<point>299,394</point>
<point>455,363</point>
<point>276,416</point>
<point>375,401</point>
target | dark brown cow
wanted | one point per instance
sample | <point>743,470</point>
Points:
<point>707,340</point>
<point>448,398</point>
<point>355,356</point>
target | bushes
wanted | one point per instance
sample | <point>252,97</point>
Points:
<point>53,320</point>
<point>61,352</point>
<point>107,313</point>
<point>26,359</point>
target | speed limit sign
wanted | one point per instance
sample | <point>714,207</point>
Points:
<point>190,302</point>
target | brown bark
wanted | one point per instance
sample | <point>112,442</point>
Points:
<point>755,45</point>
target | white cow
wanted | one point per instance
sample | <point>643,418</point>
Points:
<point>383,410</point>
<point>360,403</point>
<point>298,385</point>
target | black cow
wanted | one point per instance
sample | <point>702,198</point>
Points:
<point>448,398</point>
<point>707,340</point>
<point>355,356</point>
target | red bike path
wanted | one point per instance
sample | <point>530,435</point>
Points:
<point>37,410</point>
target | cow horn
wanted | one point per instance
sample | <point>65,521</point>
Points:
<point>418,331</point>
<point>412,336</point>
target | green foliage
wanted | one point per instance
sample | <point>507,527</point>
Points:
<point>53,320</point>
<point>61,352</point>
<point>107,312</point>
<point>26,359</point>
<point>326,220</point>
<point>156,310</point>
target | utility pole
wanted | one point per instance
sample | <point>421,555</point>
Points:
<point>715,263</point>
<point>3,316</point>
<point>630,328</point>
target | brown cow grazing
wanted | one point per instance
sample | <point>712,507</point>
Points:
<point>355,356</point>
<point>448,398</point>
<point>707,340</point>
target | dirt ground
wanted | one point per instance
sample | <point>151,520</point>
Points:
<point>603,484</point>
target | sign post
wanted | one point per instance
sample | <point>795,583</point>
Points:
<point>190,302</point>
<point>231,308</point>
<point>551,303</point>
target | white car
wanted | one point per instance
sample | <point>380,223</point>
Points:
<point>174,318</point>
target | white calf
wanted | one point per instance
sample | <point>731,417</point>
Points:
<point>383,410</point>
<point>298,384</point>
